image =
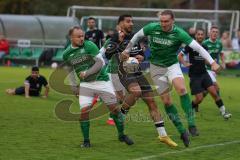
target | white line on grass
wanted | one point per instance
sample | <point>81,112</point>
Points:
<point>187,150</point>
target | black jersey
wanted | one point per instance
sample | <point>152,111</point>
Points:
<point>36,84</point>
<point>115,48</point>
<point>96,36</point>
<point>198,62</point>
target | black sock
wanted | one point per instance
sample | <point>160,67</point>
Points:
<point>159,124</point>
<point>219,103</point>
<point>124,111</point>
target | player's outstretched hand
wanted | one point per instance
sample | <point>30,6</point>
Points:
<point>139,58</point>
<point>215,67</point>
<point>82,74</point>
<point>223,65</point>
<point>124,56</point>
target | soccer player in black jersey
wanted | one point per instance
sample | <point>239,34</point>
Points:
<point>32,85</point>
<point>93,33</point>
<point>199,77</point>
<point>134,82</point>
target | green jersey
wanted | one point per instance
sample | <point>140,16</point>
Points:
<point>82,58</point>
<point>214,48</point>
<point>164,45</point>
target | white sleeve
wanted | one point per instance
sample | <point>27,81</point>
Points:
<point>102,53</point>
<point>197,47</point>
<point>99,62</point>
<point>135,39</point>
<point>235,45</point>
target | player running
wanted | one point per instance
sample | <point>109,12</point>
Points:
<point>214,46</point>
<point>199,77</point>
<point>165,40</point>
<point>135,82</point>
<point>83,56</point>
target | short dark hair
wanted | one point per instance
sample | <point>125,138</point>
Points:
<point>35,68</point>
<point>168,12</point>
<point>122,17</point>
<point>72,29</point>
<point>200,29</point>
<point>91,18</point>
<point>214,27</point>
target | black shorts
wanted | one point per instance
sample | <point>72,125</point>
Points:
<point>127,79</point>
<point>200,83</point>
<point>21,91</point>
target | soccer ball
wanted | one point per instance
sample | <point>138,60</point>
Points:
<point>131,65</point>
<point>54,65</point>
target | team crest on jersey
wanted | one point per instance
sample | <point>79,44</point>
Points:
<point>157,33</point>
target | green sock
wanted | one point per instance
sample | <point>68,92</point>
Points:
<point>187,107</point>
<point>85,129</point>
<point>173,115</point>
<point>118,119</point>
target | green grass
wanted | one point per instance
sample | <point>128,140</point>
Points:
<point>29,128</point>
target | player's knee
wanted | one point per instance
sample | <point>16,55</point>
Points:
<point>114,112</point>
<point>182,91</point>
<point>199,99</point>
<point>167,102</point>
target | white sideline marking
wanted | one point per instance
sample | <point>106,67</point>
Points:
<point>187,150</point>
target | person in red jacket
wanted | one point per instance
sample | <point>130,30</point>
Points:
<point>4,46</point>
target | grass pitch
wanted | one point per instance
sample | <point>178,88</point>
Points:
<point>30,129</point>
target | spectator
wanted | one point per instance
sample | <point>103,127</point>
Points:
<point>226,41</point>
<point>4,46</point>
<point>46,56</point>
<point>32,85</point>
<point>93,34</point>
<point>236,42</point>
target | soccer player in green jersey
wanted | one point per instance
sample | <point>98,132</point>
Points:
<point>165,40</point>
<point>83,56</point>
<point>214,45</point>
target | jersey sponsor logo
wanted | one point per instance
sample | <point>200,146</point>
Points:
<point>79,60</point>
<point>157,33</point>
<point>171,36</point>
<point>162,41</point>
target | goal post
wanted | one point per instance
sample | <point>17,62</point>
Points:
<point>225,19</point>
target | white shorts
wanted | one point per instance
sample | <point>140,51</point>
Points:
<point>114,78</point>
<point>213,75</point>
<point>163,76</point>
<point>88,90</point>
